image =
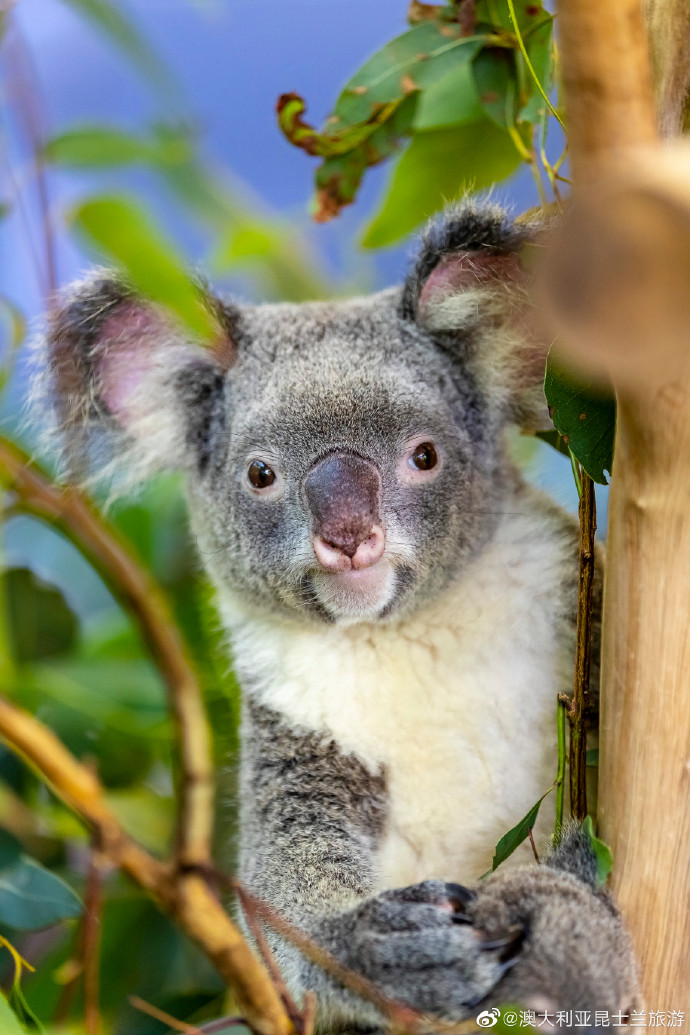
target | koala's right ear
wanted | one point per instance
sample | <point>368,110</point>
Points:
<point>123,387</point>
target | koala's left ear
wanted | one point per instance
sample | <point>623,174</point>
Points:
<point>470,287</point>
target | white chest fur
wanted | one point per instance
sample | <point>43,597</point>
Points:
<point>457,703</point>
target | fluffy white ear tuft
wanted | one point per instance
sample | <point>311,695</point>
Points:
<point>470,286</point>
<point>125,391</point>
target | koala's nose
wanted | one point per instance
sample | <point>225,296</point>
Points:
<point>343,492</point>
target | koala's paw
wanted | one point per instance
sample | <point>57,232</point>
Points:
<point>419,946</point>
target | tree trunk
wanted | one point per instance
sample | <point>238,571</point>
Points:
<point>618,286</point>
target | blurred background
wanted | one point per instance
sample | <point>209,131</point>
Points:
<point>183,95</point>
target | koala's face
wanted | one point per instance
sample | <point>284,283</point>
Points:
<point>358,469</point>
<point>343,460</point>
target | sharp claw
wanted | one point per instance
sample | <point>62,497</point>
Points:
<point>509,944</point>
<point>460,898</point>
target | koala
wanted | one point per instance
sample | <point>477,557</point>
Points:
<point>400,605</point>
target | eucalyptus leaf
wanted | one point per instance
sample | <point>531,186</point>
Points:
<point>9,1022</point>
<point>583,414</point>
<point>601,850</point>
<point>538,47</point>
<point>338,178</point>
<point>517,834</point>
<point>119,230</point>
<point>40,622</point>
<point>495,81</point>
<point>32,897</point>
<point>413,61</point>
<point>497,15</point>
<point>437,167</point>
<point>97,147</point>
<point>449,101</point>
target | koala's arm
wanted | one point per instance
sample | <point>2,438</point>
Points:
<point>312,820</point>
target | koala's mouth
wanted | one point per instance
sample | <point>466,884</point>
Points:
<point>356,594</point>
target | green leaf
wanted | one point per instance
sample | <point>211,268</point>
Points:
<point>97,147</point>
<point>592,757</point>
<point>121,231</point>
<point>517,834</point>
<point>108,18</point>
<point>495,81</point>
<point>40,622</point>
<point>496,14</point>
<point>583,414</point>
<point>437,167</point>
<point>451,100</point>
<point>9,1022</point>
<point>601,850</point>
<point>328,144</point>
<point>32,897</point>
<point>10,849</point>
<point>338,178</point>
<point>413,61</point>
<point>538,46</point>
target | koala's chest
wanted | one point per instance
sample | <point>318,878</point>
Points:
<point>457,707</point>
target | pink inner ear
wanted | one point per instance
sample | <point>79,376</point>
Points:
<point>132,339</point>
<point>463,271</point>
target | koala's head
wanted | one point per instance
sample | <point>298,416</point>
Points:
<point>343,460</point>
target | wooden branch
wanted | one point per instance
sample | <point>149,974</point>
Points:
<point>668,30</point>
<point>628,309</point>
<point>605,73</point>
<point>185,896</point>
<point>645,716</point>
<point>70,511</point>
<point>91,941</point>
<point>580,704</point>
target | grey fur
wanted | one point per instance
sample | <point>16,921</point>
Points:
<point>365,378</point>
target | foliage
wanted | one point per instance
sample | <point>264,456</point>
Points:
<point>467,85</point>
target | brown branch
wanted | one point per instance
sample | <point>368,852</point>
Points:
<point>91,941</point>
<point>268,958</point>
<point>578,711</point>
<point>185,896</point>
<point>606,80</point>
<point>72,513</point>
<point>160,1015</point>
<point>403,1018</point>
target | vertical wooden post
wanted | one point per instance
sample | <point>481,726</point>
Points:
<point>618,285</point>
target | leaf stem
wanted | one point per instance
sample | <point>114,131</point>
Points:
<point>560,776</point>
<point>535,77</point>
<point>580,706</point>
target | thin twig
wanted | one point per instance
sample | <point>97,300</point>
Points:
<point>580,704</point>
<point>267,956</point>
<point>91,941</point>
<point>70,510</point>
<point>560,776</point>
<point>403,1018</point>
<point>534,847</point>
<point>185,896</point>
<point>160,1015</point>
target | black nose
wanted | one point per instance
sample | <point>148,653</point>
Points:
<point>343,492</point>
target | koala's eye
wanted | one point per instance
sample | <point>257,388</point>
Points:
<point>424,457</point>
<point>260,475</point>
